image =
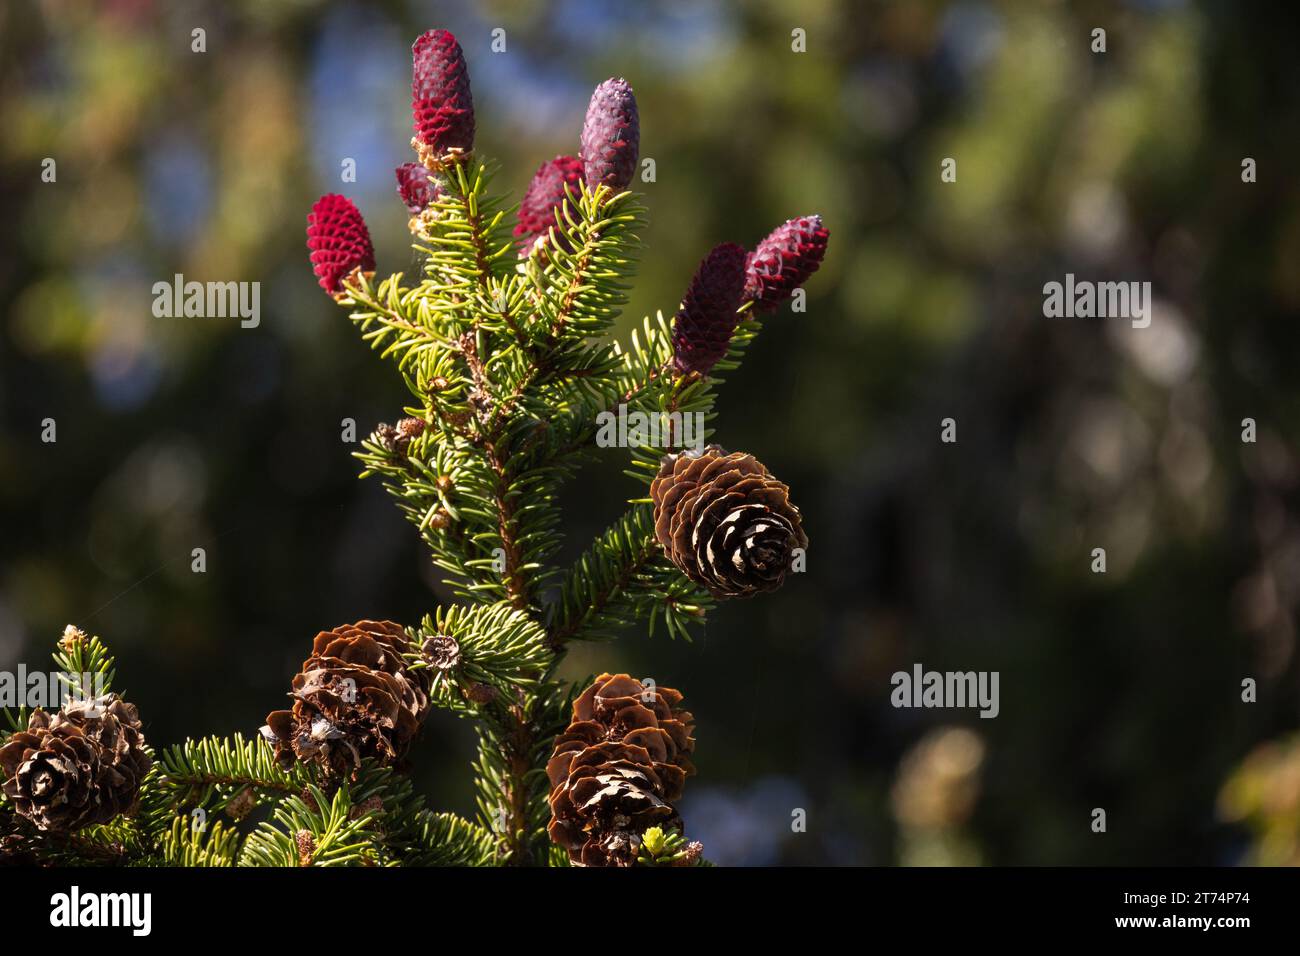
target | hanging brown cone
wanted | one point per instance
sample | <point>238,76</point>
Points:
<point>725,521</point>
<point>618,768</point>
<point>354,698</point>
<point>80,766</point>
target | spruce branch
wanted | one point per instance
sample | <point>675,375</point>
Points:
<point>621,580</point>
<point>514,742</point>
<point>192,842</point>
<point>445,839</point>
<point>79,657</point>
<point>211,772</point>
<point>111,844</point>
<point>646,384</point>
<point>479,652</point>
<point>406,833</point>
<point>395,321</point>
<point>314,829</point>
<point>505,348</point>
<point>580,277</point>
<point>466,244</point>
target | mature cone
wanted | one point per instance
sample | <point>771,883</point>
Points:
<point>618,768</point>
<point>725,521</point>
<point>704,324</point>
<point>339,241</point>
<point>784,260</point>
<point>546,193</point>
<point>611,136</point>
<point>416,187</point>
<point>353,698</point>
<point>442,108</point>
<point>80,766</point>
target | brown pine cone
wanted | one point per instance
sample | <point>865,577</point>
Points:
<point>353,698</point>
<point>80,766</point>
<point>617,769</point>
<point>725,521</point>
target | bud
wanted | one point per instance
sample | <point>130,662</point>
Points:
<point>306,844</point>
<point>241,804</point>
<point>409,429</point>
<point>611,136</point>
<point>441,105</point>
<point>784,261</point>
<point>339,241</point>
<point>385,436</point>
<point>73,637</point>
<point>416,187</point>
<point>372,804</point>
<point>707,318</point>
<point>546,193</point>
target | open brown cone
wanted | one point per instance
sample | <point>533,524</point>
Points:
<point>353,698</point>
<point>725,521</point>
<point>79,766</point>
<point>618,768</point>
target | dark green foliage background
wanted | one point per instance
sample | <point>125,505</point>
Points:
<point>1119,691</point>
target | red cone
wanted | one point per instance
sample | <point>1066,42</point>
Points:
<point>545,194</point>
<point>441,105</point>
<point>339,241</point>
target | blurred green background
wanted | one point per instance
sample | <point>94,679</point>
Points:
<point>1120,691</point>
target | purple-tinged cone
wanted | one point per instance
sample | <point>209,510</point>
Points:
<point>442,108</point>
<point>704,324</point>
<point>611,136</point>
<point>784,260</point>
